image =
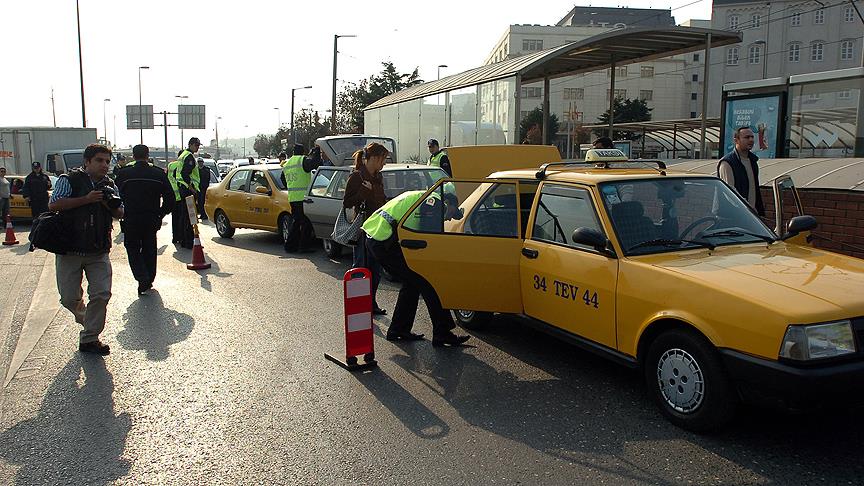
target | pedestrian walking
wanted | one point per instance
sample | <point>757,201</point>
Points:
<point>147,198</point>
<point>740,175</point>
<point>296,174</point>
<point>86,197</point>
<point>5,195</point>
<point>188,184</point>
<point>438,157</point>
<point>121,163</point>
<point>205,183</point>
<point>383,243</point>
<point>172,171</point>
<point>35,190</point>
<point>364,192</point>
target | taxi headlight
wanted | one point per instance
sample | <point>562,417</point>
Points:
<point>818,341</point>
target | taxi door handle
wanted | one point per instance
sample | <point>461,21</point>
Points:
<point>413,244</point>
<point>528,252</point>
<point>308,201</point>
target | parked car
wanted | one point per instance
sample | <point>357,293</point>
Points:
<point>251,196</point>
<point>224,166</point>
<point>324,199</point>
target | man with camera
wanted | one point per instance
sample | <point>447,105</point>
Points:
<point>87,200</point>
<point>142,187</point>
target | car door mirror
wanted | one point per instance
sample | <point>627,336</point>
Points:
<point>262,190</point>
<point>800,224</point>
<point>592,238</point>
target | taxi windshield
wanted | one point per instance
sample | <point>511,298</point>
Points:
<point>669,214</point>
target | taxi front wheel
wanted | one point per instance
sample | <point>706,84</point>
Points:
<point>223,225</point>
<point>474,320</point>
<point>686,379</point>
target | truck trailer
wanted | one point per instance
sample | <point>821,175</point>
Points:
<point>57,149</point>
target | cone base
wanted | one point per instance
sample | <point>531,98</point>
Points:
<point>7,243</point>
<point>351,364</point>
<point>197,266</point>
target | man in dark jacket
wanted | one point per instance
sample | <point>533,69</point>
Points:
<point>739,170</point>
<point>205,183</point>
<point>83,197</point>
<point>35,190</point>
<point>142,187</point>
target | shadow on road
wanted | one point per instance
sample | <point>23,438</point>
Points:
<point>76,438</point>
<point>152,327</point>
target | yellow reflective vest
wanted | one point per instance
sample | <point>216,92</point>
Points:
<point>296,179</point>
<point>379,226</point>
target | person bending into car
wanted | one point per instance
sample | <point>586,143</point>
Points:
<point>87,199</point>
<point>364,192</point>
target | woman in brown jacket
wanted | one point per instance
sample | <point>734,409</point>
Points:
<point>365,187</point>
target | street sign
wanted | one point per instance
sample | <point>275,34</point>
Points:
<point>139,119</point>
<point>191,117</point>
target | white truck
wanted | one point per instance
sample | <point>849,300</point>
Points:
<point>57,149</point>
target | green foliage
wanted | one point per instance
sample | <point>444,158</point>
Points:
<point>531,127</point>
<point>356,96</point>
<point>625,111</point>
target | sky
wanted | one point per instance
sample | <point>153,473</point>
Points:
<point>240,59</point>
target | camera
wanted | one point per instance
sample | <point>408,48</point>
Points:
<point>109,195</point>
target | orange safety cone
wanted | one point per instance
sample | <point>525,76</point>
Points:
<point>198,262</point>
<point>357,284</point>
<point>10,232</point>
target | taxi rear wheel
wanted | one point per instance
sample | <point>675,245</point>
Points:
<point>469,319</point>
<point>686,379</point>
<point>223,225</point>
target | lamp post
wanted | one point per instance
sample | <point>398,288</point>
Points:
<point>333,107</point>
<point>217,136</point>
<point>439,69</point>
<point>763,58</point>
<point>182,136</point>
<point>278,118</point>
<point>140,115</point>
<point>294,132</point>
<point>244,140</point>
<point>105,120</point>
<point>80,65</point>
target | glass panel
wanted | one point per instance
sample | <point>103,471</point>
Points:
<point>408,143</point>
<point>433,122</point>
<point>258,180</point>
<point>495,215</point>
<point>398,181</point>
<point>276,175</point>
<point>390,124</point>
<point>336,189</point>
<point>322,180</point>
<point>530,115</point>
<point>239,180</point>
<point>560,211</point>
<point>463,116</point>
<point>497,102</point>
<point>824,117</point>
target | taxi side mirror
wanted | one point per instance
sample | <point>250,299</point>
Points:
<point>592,238</point>
<point>799,224</point>
<point>262,190</point>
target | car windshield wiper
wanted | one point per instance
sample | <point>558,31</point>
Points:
<point>668,242</point>
<point>738,232</point>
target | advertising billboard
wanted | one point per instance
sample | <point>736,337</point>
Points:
<point>762,114</point>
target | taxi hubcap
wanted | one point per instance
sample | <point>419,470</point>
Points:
<point>221,224</point>
<point>285,229</point>
<point>681,380</point>
<point>466,314</point>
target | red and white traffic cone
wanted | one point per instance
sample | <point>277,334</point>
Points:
<point>10,232</point>
<point>357,284</point>
<point>198,262</point>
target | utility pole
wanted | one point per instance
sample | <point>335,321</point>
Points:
<point>53,112</point>
<point>80,67</point>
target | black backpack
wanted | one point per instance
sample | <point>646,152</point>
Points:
<point>48,233</point>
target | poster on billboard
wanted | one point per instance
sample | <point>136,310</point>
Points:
<point>759,112</point>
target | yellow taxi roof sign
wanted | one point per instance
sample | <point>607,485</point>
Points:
<point>605,155</point>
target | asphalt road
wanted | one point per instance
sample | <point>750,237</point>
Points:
<point>218,377</point>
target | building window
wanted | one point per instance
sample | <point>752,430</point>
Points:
<point>756,20</point>
<point>646,71</point>
<point>532,92</point>
<point>795,19</point>
<point>619,93</point>
<point>574,93</point>
<point>523,114</point>
<point>620,72</point>
<point>812,97</point>
<point>646,95</point>
<point>692,114</point>
<point>795,52</point>
<point>696,57</point>
<point>846,94</point>
<point>532,44</point>
<point>754,54</point>
<point>695,78</point>
<point>733,22</point>
<point>848,15</point>
<point>816,51</point>
<point>819,16</point>
<point>732,56</point>
<point>694,96</point>
<point>847,50</point>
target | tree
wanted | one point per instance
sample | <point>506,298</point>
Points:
<point>309,127</point>
<point>624,111</point>
<point>531,127</point>
<point>356,96</point>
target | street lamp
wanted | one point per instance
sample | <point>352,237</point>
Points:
<point>439,69</point>
<point>294,132</point>
<point>217,136</point>
<point>244,140</point>
<point>763,58</point>
<point>182,136</point>
<point>105,120</point>
<point>333,108</point>
<point>140,114</point>
<point>80,65</point>
<point>278,118</point>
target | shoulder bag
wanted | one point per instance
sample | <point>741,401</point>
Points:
<point>347,231</point>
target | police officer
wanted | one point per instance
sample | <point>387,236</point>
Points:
<point>204,184</point>
<point>384,245</point>
<point>188,184</point>
<point>172,171</point>
<point>296,174</point>
<point>142,186</point>
<point>35,190</point>
<point>439,157</point>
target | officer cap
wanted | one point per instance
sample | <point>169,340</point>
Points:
<point>194,141</point>
<point>432,143</point>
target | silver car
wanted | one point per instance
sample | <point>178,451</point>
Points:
<point>339,150</point>
<point>324,199</point>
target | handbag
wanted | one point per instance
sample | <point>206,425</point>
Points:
<point>346,231</point>
<point>49,233</point>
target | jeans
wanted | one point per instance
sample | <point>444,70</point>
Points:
<point>364,258</point>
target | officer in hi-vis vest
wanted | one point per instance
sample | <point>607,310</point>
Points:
<point>438,157</point>
<point>384,245</point>
<point>296,175</point>
<point>171,171</point>
<point>188,183</point>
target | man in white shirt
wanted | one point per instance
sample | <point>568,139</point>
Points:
<point>740,171</point>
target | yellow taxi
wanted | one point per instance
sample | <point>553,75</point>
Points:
<point>19,208</point>
<point>669,273</point>
<point>251,196</point>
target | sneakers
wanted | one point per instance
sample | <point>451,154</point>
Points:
<point>449,339</point>
<point>95,347</point>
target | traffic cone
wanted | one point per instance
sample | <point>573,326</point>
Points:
<point>198,262</point>
<point>10,233</point>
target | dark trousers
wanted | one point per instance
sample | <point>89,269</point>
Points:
<point>389,254</point>
<point>140,242</point>
<point>201,196</point>
<point>38,206</point>
<point>301,228</point>
<point>184,227</point>
<point>365,259</point>
<point>176,231</point>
